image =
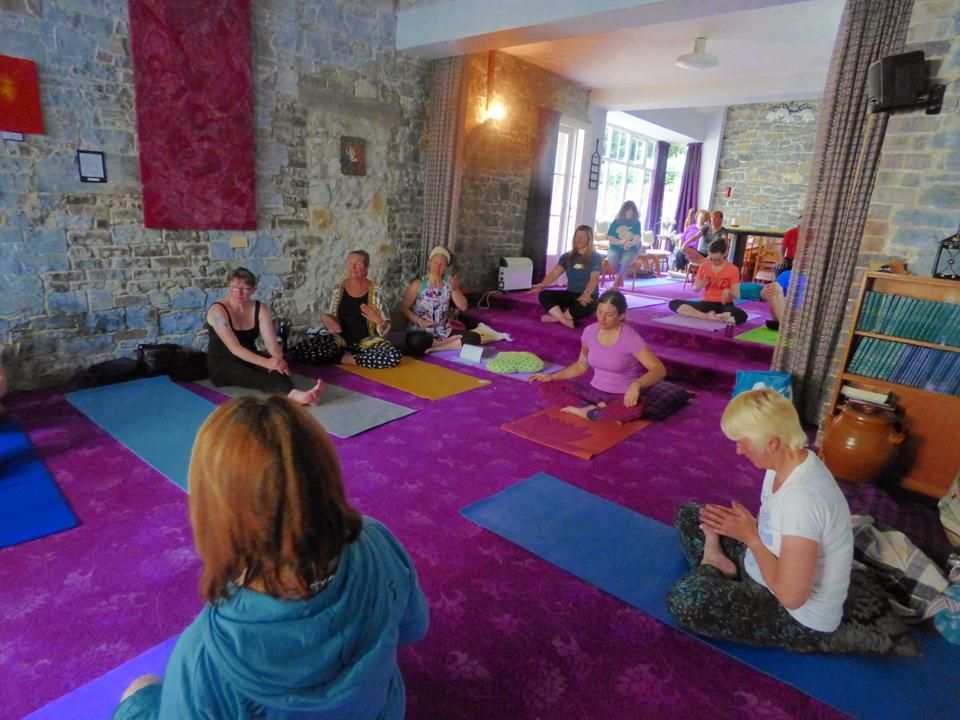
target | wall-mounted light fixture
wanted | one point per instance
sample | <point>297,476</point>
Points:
<point>495,109</point>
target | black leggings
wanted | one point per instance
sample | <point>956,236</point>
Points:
<point>739,316</point>
<point>566,300</point>
<point>234,371</point>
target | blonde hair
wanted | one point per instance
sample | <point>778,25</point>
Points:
<point>759,415</point>
<point>266,499</point>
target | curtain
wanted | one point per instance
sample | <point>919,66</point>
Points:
<point>689,184</point>
<point>444,156</point>
<point>845,159</point>
<point>651,220</point>
<point>537,226</point>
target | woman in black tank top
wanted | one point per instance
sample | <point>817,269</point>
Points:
<point>234,324</point>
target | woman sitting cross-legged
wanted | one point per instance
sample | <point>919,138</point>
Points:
<point>234,323</point>
<point>720,282</point>
<point>582,266</point>
<point>356,321</point>
<point>307,600</point>
<point>780,580</point>
<point>617,355</point>
<point>426,304</point>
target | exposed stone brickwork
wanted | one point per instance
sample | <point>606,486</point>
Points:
<point>498,157</point>
<point>765,158</point>
<point>84,281</point>
<point>916,198</point>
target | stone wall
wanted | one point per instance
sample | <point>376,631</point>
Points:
<point>765,158</point>
<point>916,198</point>
<point>84,281</point>
<point>498,158</point>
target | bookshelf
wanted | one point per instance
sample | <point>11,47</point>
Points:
<point>905,340</point>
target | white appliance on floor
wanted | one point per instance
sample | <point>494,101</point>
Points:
<point>516,273</point>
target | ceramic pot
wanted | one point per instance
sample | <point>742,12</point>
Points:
<point>860,441</point>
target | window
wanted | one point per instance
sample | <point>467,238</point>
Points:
<point>625,172</point>
<point>566,188</point>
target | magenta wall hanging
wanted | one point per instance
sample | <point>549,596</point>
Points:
<point>194,97</point>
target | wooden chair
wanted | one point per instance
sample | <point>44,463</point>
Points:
<point>768,257</point>
<point>691,275</point>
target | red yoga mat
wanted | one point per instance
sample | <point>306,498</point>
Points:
<point>571,434</point>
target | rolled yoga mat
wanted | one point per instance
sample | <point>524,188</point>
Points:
<point>155,418</point>
<point>31,503</point>
<point>342,412</point>
<point>637,559</point>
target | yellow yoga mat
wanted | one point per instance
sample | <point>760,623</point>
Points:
<point>419,378</point>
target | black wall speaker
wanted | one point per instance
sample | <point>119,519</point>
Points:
<point>897,81</point>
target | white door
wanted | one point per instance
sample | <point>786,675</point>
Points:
<point>566,186</point>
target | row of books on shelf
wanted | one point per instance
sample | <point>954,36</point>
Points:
<point>902,316</point>
<point>913,365</point>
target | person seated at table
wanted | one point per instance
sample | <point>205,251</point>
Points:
<point>356,321</point>
<point>720,281</point>
<point>234,323</point>
<point>624,368</point>
<point>582,266</point>
<point>690,241</point>
<point>779,580</point>
<point>307,601</point>
<point>426,304</point>
<point>624,235</point>
<point>775,294</point>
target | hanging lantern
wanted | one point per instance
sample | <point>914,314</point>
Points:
<point>947,264</point>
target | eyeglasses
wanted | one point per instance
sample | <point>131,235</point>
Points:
<point>241,288</point>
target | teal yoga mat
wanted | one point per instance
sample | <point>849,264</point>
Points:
<point>154,418</point>
<point>637,559</point>
<point>342,412</point>
<point>31,504</point>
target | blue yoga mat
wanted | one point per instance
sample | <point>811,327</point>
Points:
<point>99,698</point>
<point>637,559</point>
<point>31,504</point>
<point>154,418</point>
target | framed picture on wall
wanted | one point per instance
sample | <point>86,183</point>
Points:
<point>353,156</point>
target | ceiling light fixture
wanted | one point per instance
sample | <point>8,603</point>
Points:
<point>699,59</point>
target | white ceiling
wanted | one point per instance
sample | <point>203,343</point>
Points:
<point>768,49</point>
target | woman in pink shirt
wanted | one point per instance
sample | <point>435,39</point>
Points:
<point>624,369</point>
<point>720,282</point>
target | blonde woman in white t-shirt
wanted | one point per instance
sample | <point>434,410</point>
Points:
<point>780,579</point>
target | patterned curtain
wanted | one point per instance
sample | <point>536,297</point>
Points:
<point>846,154</point>
<point>444,155</point>
<point>689,184</point>
<point>651,220</point>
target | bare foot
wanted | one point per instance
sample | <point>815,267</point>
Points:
<point>307,397</point>
<point>723,317</point>
<point>568,322</point>
<point>578,411</point>
<point>547,317</point>
<point>713,555</point>
<point>348,359</point>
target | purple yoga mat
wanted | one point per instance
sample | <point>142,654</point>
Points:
<point>488,355</point>
<point>642,301</point>
<point>99,698</point>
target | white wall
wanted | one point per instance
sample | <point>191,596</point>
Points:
<point>587,210</point>
<point>710,153</point>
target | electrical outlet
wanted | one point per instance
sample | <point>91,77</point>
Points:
<point>239,241</point>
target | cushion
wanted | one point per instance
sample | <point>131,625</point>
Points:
<point>756,379</point>
<point>869,625</point>
<point>515,362</point>
<point>750,291</point>
<point>663,399</point>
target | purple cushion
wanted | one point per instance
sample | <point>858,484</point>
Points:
<point>663,399</point>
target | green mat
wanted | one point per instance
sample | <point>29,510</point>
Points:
<point>762,335</point>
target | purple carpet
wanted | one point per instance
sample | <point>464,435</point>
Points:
<point>511,637</point>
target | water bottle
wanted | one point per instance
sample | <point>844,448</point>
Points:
<point>728,327</point>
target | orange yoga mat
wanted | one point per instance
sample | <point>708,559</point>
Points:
<point>571,434</point>
<point>422,379</point>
